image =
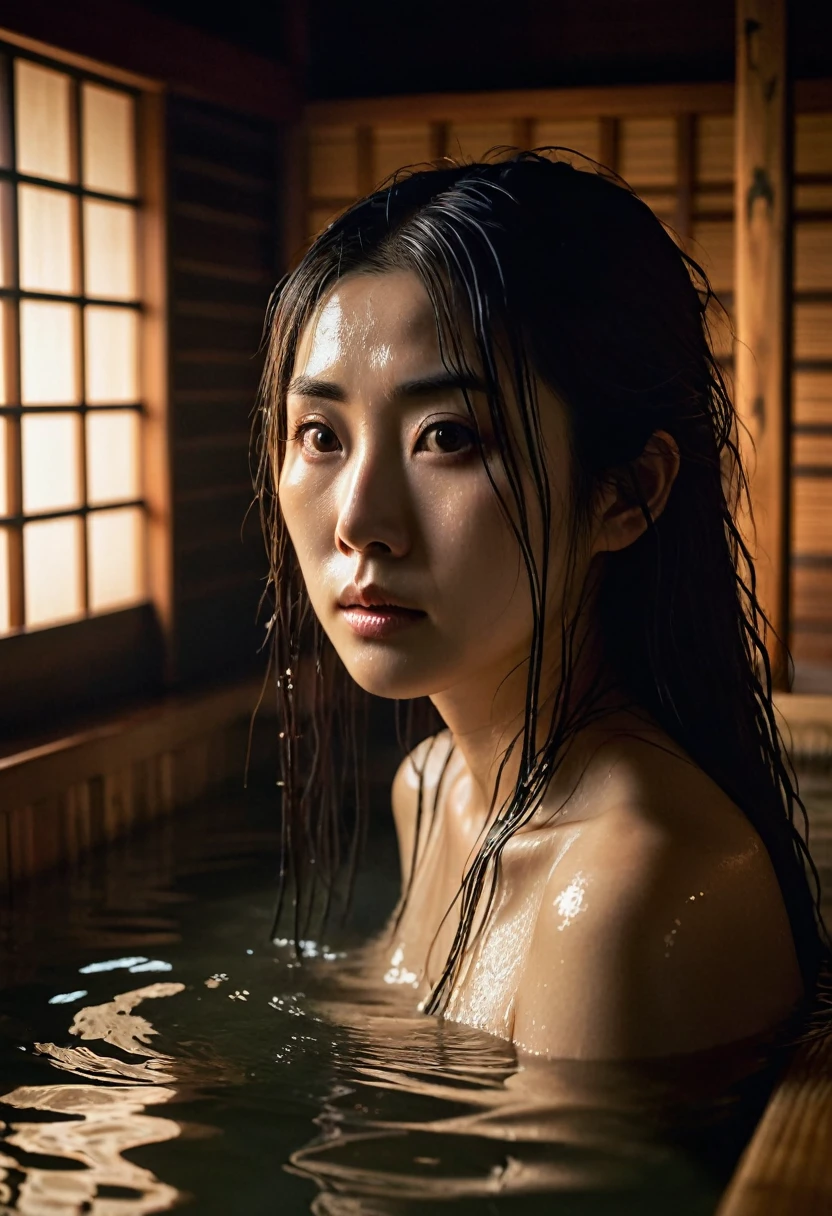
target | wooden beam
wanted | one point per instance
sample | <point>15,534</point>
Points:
<point>626,101</point>
<point>49,769</point>
<point>155,366</point>
<point>762,292</point>
<point>786,1169</point>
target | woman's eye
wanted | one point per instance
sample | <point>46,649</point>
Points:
<point>317,437</point>
<point>448,438</point>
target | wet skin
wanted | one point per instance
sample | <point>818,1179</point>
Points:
<point>637,914</point>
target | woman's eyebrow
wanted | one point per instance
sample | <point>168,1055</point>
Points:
<point>440,382</point>
<point>322,390</point>
<point>423,386</point>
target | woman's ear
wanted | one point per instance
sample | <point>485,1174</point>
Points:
<point>642,486</point>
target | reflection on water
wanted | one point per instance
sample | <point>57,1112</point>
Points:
<point>95,1124</point>
<point>247,1081</point>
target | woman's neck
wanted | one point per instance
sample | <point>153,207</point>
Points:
<point>486,714</point>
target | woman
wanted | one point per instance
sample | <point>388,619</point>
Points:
<point>498,471</point>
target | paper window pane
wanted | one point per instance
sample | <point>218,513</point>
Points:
<point>50,462</point>
<point>109,250</point>
<point>112,338</point>
<point>112,456</point>
<point>52,571</point>
<point>47,239</point>
<point>116,558</point>
<point>42,109</point>
<point>49,353</point>
<point>109,147</point>
<point>5,611</point>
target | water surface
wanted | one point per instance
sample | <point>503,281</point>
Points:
<point>157,1050</point>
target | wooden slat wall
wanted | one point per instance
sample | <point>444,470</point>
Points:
<point>676,147</point>
<point>812,403</point>
<point>225,244</point>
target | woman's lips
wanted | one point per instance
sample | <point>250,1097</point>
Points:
<point>381,620</point>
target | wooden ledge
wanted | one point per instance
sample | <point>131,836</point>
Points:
<point>786,1170</point>
<point>28,776</point>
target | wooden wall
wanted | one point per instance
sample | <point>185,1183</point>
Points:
<point>675,145</point>
<point>63,798</point>
<point>224,248</point>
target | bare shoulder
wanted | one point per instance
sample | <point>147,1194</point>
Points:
<point>423,768</point>
<point>662,929</point>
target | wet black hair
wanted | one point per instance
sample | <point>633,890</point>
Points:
<point>539,271</point>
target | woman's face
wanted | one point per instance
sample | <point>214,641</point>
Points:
<point>410,565</point>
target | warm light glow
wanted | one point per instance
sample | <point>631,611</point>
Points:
<point>112,455</point>
<point>5,614</point>
<point>109,140</point>
<point>109,250</point>
<point>52,571</point>
<point>42,107</point>
<point>112,336</point>
<point>46,240</point>
<point>50,462</point>
<point>116,558</point>
<point>49,353</point>
<point>71,245</point>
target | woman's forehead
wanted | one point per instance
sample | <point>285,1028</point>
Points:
<point>374,318</point>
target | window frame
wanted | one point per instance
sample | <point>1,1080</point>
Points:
<point>53,675</point>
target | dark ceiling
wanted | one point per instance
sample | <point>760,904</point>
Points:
<point>376,47</point>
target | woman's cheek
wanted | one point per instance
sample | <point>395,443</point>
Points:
<point>470,544</point>
<point>305,499</point>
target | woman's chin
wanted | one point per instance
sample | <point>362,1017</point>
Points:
<point>393,681</point>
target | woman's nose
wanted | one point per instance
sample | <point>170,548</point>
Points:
<point>373,514</point>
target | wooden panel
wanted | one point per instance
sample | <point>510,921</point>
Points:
<point>395,147</point>
<point>813,258</point>
<point>812,507</point>
<point>813,143</point>
<point>811,593</point>
<point>48,677</point>
<point>813,397</point>
<point>811,649</point>
<point>717,201</point>
<point>470,141</point>
<point>713,248</point>
<point>761,290</point>
<point>662,202</point>
<point>813,332</point>
<point>64,798</point>
<point>581,135</point>
<point>813,451</point>
<point>333,162</point>
<point>647,151</point>
<point>714,156</point>
<point>225,247</point>
<point>812,197</point>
